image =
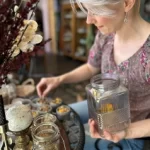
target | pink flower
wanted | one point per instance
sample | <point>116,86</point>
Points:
<point>92,54</point>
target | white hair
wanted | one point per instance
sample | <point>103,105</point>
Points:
<point>96,7</point>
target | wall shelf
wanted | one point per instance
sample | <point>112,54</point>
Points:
<point>74,25</point>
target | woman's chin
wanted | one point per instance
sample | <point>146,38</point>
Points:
<point>105,31</point>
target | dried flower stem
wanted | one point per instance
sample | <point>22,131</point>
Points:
<point>9,30</point>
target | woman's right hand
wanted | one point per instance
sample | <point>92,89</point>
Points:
<point>46,85</point>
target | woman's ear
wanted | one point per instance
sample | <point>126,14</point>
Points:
<point>128,5</point>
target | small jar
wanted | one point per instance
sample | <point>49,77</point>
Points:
<point>11,91</point>
<point>56,103</point>
<point>4,93</point>
<point>108,103</point>
<point>46,136</point>
<point>63,112</point>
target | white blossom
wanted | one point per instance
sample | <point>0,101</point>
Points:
<point>16,51</point>
<point>32,24</point>
<point>23,46</point>
<point>28,37</point>
<point>16,8</point>
<point>37,39</point>
<point>28,48</point>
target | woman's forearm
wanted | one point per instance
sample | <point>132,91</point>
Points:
<point>79,74</point>
<point>139,129</point>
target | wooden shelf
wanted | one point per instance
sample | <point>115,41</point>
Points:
<point>74,25</point>
<point>52,27</point>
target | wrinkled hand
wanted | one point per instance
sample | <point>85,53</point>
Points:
<point>46,85</point>
<point>106,135</point>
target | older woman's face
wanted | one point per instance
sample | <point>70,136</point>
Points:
<point>106,24</point>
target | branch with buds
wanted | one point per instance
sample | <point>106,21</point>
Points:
<point>18,34</point>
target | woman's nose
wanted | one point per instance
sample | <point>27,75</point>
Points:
<point>90,19</point>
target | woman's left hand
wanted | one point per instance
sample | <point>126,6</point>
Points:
<point>106,135</point>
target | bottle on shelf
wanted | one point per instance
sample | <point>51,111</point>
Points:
<point>76,36</point>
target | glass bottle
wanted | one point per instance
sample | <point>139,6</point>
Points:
<point>4,93</point>
<point>46,136</point>
<point>108,103</point>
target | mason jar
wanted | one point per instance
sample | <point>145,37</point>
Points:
<point>46,136</point>
<point>44,118</point>
<point>108,103</point>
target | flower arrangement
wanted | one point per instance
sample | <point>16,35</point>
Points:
<point>18,36</point>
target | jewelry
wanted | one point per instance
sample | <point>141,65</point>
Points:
<point>126,17</point>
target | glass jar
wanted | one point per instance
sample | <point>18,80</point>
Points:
<point>46,136</point>
<point>11,87</point>
<point>4,93</point>
<point>108,103</point>
<point>44,118</point>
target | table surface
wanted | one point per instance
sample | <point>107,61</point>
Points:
<point>64,141</point>
<point>72,132</point>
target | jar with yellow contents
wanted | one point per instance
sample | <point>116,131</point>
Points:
<point>108,103</point>
<point>46,136</point>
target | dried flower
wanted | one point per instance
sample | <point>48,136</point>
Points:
<point>27,38</point>
<point>18,37</point>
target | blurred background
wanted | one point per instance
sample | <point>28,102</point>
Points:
<point>69,48</point>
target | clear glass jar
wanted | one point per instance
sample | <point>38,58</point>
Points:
<point>46,136</point>
<point>11,90</point>
<point>44,118</point>
<point>4,93</point>
<point>108,103</point>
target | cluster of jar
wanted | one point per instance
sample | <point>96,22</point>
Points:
<point>45,133</point>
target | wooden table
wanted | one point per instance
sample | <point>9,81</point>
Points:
<point>74,128</point>
<point>79,143</point>
<point>64,144</point>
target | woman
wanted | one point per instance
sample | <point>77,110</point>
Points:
<point>121,46</point>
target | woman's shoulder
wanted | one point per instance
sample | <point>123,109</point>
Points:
<point>148,39</point>
<point>147,44</point>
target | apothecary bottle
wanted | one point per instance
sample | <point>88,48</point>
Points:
<point>108,103</point>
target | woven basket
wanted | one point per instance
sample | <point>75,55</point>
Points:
<point>26,89</point>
